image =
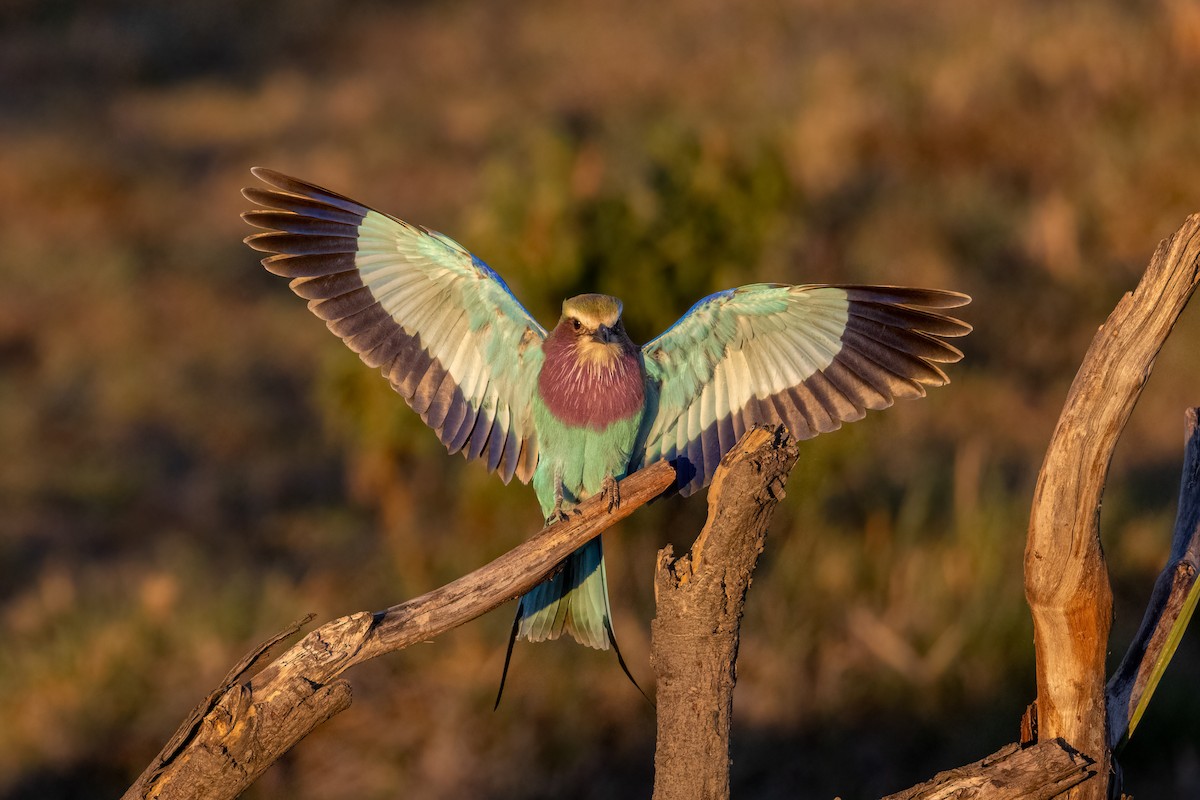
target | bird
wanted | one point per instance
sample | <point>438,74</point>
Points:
<point>576,408</point>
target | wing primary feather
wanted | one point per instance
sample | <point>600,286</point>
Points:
<point>901,363</point>
<point>343,305</point>
<point>737,422</point>
<point>300,224</point>
<point>439,404</point>
<point>426,390</point>
<point>326,286</point>
<point>369,317</point>
<point>754,412</point>
<point>862,394</point>
<point>310,265</point>
<point>366,340</point>
<point>725,435</point>
<point>882,378</point>
<point>708,407</point>
<point>712,450</point>
<point>385,352</point>
<point>839,405</point>
<point>480,435</point>
<point>452,425</point>
<point>791,416</point>
<point>811,404</point>
<point>497,444</point>
<point>409,365</point>
<point>905,295</point>
<point>463,433</point>
<point>306,189</point>
<point>300,244</point>
<point>915,319</point>
<point>300,205</point>
<point>913,343</point>
<point>695,425</point>
<point>512,453</point>
<point>695,457</point>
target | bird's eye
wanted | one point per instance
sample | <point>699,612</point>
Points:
<point>576,324</point>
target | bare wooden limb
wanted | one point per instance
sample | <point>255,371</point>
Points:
<point>246,726</point>
<point>1039,772</point>
<point>186,732</point>
<point>699,599</point>
<point>1066,581</point>
<point>1171,604</point>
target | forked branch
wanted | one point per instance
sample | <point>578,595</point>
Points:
<point>1066,581</point>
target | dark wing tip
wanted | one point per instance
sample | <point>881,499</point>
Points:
<point>270,176</point>
<point>937,298</point>
<point>906,296</point>
<point>949,299</point>
<point>256,240</point>
<point>286,183</point>
<point>257,218</point>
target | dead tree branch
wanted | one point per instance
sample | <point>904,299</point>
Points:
<point>1035,773</point>
<point>1171,604</point>
<point>245,726</point>
<point>699,599</point>
<point>1066,581</point>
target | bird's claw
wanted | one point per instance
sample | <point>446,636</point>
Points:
<point>611,491</point>
<point>557,515</point>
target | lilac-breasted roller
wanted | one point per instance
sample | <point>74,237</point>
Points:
<point>578,407</point>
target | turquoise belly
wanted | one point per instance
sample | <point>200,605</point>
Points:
<point>582,456</point>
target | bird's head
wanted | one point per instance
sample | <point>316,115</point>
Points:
<point>593,321</point>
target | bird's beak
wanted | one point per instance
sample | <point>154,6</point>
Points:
<point>604,334</point>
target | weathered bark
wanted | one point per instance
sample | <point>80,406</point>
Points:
<point>1171,604</point>
<point>245,726</point>
<point>1066,582</point>
<point>699,599</point>
<point>1012,773</point>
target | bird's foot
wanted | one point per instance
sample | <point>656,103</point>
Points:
<point>611,491</point>
<point>557,514</point>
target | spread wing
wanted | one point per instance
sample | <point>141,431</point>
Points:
<point>441,325</point>
<point>810,357</point>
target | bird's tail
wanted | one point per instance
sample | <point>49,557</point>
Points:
<point>574,601</point>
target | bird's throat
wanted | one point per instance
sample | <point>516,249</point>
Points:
<point>590,384</point>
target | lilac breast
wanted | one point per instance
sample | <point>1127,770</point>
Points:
<point>586,394</point>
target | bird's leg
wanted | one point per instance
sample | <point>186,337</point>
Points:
<point>611,490</point>
<point>557,514</point>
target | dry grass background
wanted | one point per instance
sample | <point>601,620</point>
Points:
<point>190,461</point>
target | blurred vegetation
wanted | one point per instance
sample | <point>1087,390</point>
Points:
<point>191,461</point>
